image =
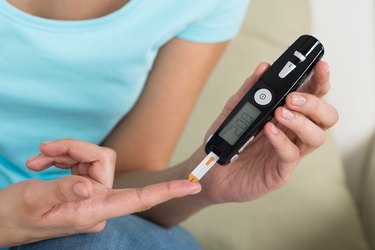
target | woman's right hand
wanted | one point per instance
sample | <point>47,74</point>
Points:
<point>36,210</point>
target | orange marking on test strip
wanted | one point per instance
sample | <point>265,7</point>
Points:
<point>192,178</point>
<point>210,160</point>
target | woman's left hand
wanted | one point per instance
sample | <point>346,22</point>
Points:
<point>81,203</point>
<point>268,162</point>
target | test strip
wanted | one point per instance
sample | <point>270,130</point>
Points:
<point>203,167</point>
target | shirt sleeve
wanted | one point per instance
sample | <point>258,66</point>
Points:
<point>221,24</point>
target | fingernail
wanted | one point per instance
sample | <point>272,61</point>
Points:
<point>32,157</point>
<point>47,142</point>
<point>298,100</point>
<point>274,129</point>
<point>327,68</point>
<point>80,189</point>
<point>287,114</point>
<point>195,188</point>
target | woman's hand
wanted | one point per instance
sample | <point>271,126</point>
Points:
<point>268,162</point>
<point>36,210</point>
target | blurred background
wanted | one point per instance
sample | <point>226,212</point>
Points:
<point>330,203</point>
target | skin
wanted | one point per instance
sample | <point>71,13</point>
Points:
<point>37,210</point>
<point>68,9</point>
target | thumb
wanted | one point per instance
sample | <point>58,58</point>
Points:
<point>66,189</point>
<point>127,201</point>
<point>258,72</point>
<point>234,99</point>
<point>251,80</point>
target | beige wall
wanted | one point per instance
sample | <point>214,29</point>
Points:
<point>347,30</point>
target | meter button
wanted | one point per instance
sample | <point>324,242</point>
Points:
<point>234,157</point>
<point>289,67</point>
<point>263,96</point>
<point>247,143</point>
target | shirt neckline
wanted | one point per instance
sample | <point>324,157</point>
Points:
<point>26,19</point>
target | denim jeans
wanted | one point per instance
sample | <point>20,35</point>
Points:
<point>127,232</point>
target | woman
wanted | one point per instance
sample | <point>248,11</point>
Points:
<point>125,75</point>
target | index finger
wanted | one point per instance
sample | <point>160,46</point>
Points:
<point>318,84</point>
<point>128,201</point>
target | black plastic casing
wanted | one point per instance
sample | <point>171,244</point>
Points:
<point>306,45</point>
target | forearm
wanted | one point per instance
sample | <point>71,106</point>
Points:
<point>172,212</point>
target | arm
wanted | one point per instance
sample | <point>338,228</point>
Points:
<point>146,137</point>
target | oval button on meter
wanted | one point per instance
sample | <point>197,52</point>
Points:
<point>263,96</point>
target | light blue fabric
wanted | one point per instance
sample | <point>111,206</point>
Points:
<point>77,79</point>
<point>124,233</point>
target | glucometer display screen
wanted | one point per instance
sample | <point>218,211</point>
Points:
<point>239,123</point>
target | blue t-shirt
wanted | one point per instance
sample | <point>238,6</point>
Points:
<point>77,79</point>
